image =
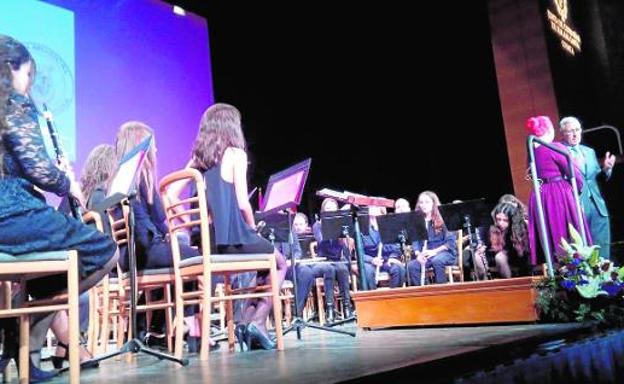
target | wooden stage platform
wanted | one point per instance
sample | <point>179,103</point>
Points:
<point>475,302</point>
<point>322,357</point>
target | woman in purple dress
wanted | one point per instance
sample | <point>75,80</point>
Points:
<point>556,191</point>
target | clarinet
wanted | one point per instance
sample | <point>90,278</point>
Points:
<point>479,243</point>
<point>74,204</point>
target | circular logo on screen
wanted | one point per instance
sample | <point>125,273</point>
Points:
<point>562,9</point>
<point>54,82</point>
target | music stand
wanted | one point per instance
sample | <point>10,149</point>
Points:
<point>121,191</point>
<point>346,224</point>
<point>467,215</point>
<point>284,191</point>
<point>404,228</point>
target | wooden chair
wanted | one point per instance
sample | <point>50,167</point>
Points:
<point>147,281</point>
<point>29,266</point>
<point>457,270</point>
<point>201,268</point>
<point>104,303</point>
<point>287,296</point>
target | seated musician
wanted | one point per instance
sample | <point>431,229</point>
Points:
<point>439,250</point>
<point>508,243</point>
<point>386,259</point>
<point>305,272</point>
<point>337,252</point>
<point>304,233</point>
<point>401,205</point>
<point>300,224</point>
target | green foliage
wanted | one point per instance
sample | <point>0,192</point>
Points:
<point>585,288</point>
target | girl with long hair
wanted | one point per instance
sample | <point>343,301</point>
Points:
<point>219,152</point>
<point>440,249</point>
<point>509,242</point>
<point>27,223</point>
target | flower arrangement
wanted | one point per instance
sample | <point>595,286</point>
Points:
<point>586,286</point>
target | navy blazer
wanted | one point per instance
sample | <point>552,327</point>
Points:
<point>149,219</point>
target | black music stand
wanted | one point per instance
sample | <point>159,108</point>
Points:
<point>469,216</point>
<point>278,228</point>
<point>121,192</point>
<point>347,224</point>
<point>283,192</point>
<point>404,228</point>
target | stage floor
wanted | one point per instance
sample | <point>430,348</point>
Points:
<point>321,357</point>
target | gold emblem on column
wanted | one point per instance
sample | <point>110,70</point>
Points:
<point>562,9</point>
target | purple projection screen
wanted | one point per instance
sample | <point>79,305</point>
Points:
<point>134,60</point>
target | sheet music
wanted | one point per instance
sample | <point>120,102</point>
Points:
<point>128,168</point>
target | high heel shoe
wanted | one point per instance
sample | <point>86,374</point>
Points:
<point>254,334</point>
<point>241,335</point>
<point>36,375</point>
<point>57,361</point>
<point>4,362</point>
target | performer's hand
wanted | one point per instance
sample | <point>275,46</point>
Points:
<point>609,161</point>
<point>428,253</point>
<point>377,261</point>
<point>76,191</point>
<point>392,260</point>
<point>421,257</point>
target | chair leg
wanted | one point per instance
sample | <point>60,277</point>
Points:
<point>221,305</point>
<point>277,306</point>
<point>6,377</point>
<point>169,317</point>
<point>229,313</point>
<point>106,302</point>
<point>179,319</point>
<point>320,301</point>
<point>74,320</point>
<point>148,312</point>
<point>288,309</point>
<point>92,330</point>
<point>206,308</point>
<point>24,349</point>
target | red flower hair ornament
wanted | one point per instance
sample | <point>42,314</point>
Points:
<point>538,125</point>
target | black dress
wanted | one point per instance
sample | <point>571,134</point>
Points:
<point>231,233</point>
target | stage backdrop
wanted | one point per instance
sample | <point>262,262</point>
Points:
<point>103,62</point>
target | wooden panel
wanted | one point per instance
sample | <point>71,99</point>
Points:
<point>495,301</point>
<point>524,78</point>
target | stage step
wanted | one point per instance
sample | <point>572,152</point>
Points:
<point>477,302</point>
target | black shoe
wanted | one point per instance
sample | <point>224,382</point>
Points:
<point>57,361</point>
<point>255,335</point>
<point>329,314</point>
<point>348,311</point>
<point>156,341</point>
<point>194,344</point>
<point>241,335</point>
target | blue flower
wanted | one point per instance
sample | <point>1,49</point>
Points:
<point>568,284</point>
<point>612,288</point>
